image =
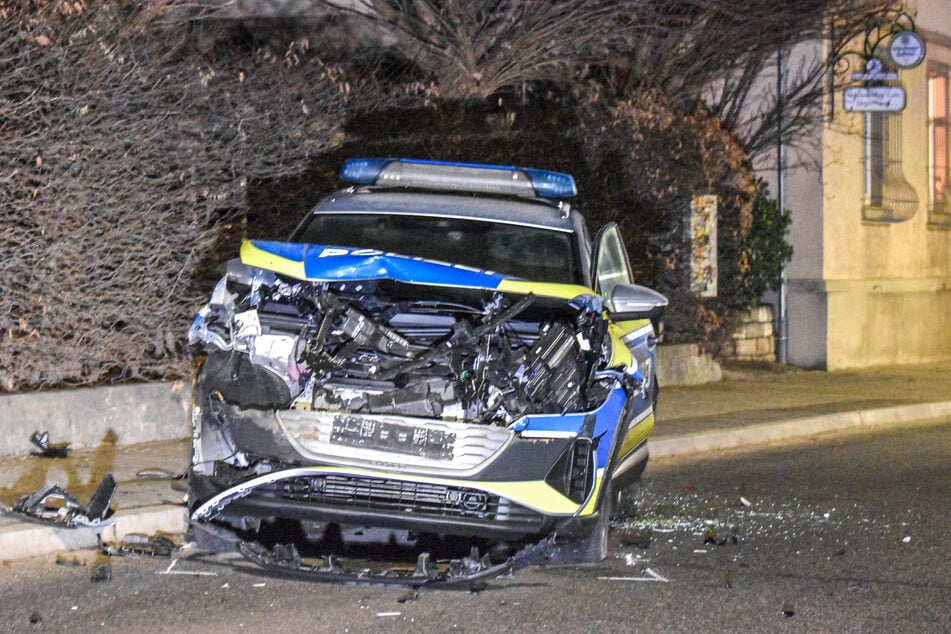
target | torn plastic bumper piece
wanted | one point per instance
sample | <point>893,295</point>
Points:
<point>284,560</point>
<point>47,449</point>
<point>54,505</point>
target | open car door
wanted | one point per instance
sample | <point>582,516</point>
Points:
<point>630,308</point>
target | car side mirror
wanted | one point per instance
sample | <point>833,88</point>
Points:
<point>632,301</point>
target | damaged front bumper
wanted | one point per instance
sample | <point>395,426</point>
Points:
<point>470,571</point>
<point>541,474</point>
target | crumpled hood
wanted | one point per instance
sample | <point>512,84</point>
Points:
<point>328,263</point>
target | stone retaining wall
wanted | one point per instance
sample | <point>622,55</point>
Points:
<point>685,364</point>
<point>753,340</point>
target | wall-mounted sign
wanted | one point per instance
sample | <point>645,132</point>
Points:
<point>874,99</point>
<point>906,49</point>
<point>703,246</point>
<point>874,72</point>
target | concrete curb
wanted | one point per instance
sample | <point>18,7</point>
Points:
<point>25,540</point>
<point>766,433</point>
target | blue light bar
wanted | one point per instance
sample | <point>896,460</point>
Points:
<point>362,171</point>
<point>467,177</point>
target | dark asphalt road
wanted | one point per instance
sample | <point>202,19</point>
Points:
<point>850,534</point>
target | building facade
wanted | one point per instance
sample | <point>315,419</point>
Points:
<point>870,281</point>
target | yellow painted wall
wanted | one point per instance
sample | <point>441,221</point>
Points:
<point>865,293</point>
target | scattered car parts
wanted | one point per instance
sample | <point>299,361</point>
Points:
<point>52,504</point>
<point>159,544</point>
<point>469,571</point>
<point>47,449</point>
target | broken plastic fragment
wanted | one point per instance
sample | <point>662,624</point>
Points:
<point>101,574</point>
<point>424,567</point>
<point>54,505</point>
<point>47,449</point>
<point>408,597</point>
<point>159,544</point>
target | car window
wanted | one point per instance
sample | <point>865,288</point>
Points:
<point>534,253</point>
<point>612,267</point>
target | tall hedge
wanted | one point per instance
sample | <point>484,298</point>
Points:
<point>126,143</point>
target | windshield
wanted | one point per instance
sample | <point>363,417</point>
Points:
<point>532,253</point>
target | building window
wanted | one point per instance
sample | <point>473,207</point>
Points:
<point>889,197</point>
<point>876,132</point>
<point>939,127</point>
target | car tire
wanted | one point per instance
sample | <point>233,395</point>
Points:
<point>591,547</point>
<point>594,546</point>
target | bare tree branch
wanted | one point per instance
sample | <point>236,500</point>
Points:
<point>123,152</point>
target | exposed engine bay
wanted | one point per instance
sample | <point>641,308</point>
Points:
<point>382,347</point>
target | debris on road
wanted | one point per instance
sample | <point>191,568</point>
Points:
<point>469,571</point>
<point>47,449</point>
<point>69,563</point>
<point>159,544</point>
<point>650,575</point>
<point>711,538</point>
<point>408,597</point>
<point>52,504</point>
<point>631,536</point>
<point>101,574</point>
<point>197,573</point>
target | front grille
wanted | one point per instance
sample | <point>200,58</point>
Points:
<point>387,495</point>
<point>359,438</point>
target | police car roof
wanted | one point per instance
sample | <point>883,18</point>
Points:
<point>520,211</point>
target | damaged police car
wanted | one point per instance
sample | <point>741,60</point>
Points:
<point>439,354</point>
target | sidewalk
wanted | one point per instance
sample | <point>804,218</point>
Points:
<point>756,405</point>
<point>751,406</point>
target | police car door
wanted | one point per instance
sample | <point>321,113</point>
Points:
<point>611,268</point>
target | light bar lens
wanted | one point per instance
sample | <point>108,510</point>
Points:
<point>551,184</point>
<point>468,177</point>
<point>363,171</point>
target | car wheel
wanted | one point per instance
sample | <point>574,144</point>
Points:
<point>591,547</point>
<point>594,546</point>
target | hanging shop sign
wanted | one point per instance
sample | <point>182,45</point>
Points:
<point>874,72</point>
<point>874,99</point>
<point>891,45</point>
<point>906,50</point>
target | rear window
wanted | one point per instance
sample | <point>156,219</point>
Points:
<point>532,253</point>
